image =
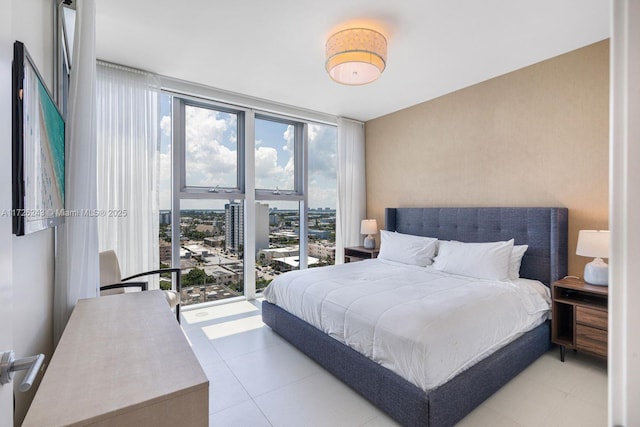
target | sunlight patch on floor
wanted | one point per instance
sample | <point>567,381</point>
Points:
<point>233,327</point>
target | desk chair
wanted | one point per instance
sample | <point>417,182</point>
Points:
<point>112,282</point>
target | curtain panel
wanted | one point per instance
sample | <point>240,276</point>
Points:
<point>352,202</point>
<point>127,152</point>
<point>76,274</point>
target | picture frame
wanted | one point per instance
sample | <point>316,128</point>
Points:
<point>38,151</point>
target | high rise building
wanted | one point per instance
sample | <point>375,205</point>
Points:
<point>262,226</point>
<point>234,226</point>
<point>165,217</point>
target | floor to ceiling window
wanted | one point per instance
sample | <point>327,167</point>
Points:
<point>244,196</point>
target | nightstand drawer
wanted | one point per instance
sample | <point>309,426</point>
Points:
<point>591,339</point>
<point>592,317</point>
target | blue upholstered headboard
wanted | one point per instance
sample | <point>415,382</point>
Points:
<point>543,229</point>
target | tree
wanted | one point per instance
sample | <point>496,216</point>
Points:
<point>165,275</point>
<point>195,277</point>
<point>262,260</point>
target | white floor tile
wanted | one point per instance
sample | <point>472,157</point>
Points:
<point>525,401</point>
<point>245,414</point>
<point>484,416</point>
<point>258,379</point>
<point>381,421</point>
<point>205,352</point>
<point>573,412</point>
<point>316,401</point>
<point>271,368</point>
<point>219,313</point>
<point>590,384</point>
<point>238,339</point>
<point>577,371</point>
<point>224,388</point>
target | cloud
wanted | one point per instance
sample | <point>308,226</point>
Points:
<point>322,197</point>
<point>165,125</point>
<point>322,158</point>
<point>275,156</point>
<point>269,175</point>
<point>322,165</point>
<point>211,156</point>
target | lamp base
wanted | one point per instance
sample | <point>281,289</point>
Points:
<point>597,273</point>
<point>369,242</point>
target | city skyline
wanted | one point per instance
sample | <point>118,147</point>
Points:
<point>212,252</point>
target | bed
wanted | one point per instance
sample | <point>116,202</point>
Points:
<point>544,230</point>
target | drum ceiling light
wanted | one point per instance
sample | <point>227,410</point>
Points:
<point>356,56</point>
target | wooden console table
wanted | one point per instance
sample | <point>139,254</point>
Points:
<point>123,360</point>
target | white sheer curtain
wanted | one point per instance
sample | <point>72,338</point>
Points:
<point>128,103</point>
<point>352,202</point>
<point>77,239</point>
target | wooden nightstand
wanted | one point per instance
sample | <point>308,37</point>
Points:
<point>358,253</point>
<point>579,316</point>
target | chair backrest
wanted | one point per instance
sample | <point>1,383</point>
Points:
<point>109,268</point>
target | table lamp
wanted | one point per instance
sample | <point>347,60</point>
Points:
<point>594,243</point>
<point>369,227</point>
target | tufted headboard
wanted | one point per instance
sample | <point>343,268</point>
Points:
<point>543,229</point>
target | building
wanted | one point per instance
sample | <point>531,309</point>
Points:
<point>165,217</point>
<point>196,250</point>
<point>262,226</point>
<point>165,251</point>
<point>215,241</point>
<point>291,263</point>
<point>234,226</point>
<point>323,250</point>
<point>274,219</point>
<point>205,228</point>
<point>268,255</point>
<point>319,234</point>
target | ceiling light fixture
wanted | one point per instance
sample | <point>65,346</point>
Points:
<point>356,56</point>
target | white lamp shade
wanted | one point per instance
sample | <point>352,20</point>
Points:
<point>593,243</point>
<point>368,226</point>
<point>356,56</point>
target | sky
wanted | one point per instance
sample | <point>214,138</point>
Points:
<point>211,156</point>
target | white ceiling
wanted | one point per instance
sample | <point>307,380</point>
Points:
<point>274,49</point>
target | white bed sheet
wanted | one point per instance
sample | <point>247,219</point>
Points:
<point>423,324</point>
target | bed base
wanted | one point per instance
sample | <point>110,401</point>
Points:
<point>403,401</point>
<point>543,229</point>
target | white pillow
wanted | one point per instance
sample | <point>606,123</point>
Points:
<point>481,260</point>
<point>516,259</point>
<point>406,248</point>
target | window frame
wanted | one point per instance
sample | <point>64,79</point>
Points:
<point>299,190</point>
<point>179,125</point>
<point>247,193</point>
<point>62,57</point>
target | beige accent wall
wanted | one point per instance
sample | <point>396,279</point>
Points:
<point>538,136</point>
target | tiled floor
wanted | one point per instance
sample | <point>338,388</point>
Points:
<point>258,379</point>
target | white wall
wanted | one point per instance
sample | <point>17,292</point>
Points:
<point>6,252</point>
<point>29,21</point>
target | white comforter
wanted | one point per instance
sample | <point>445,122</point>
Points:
<point>425,325</point>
